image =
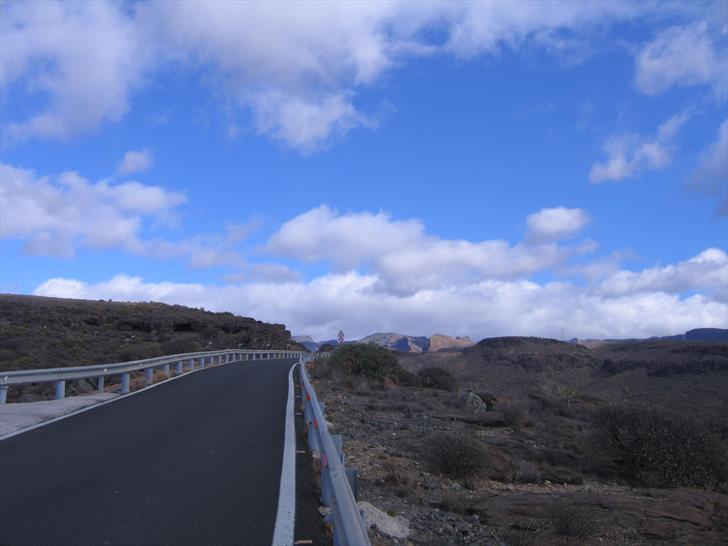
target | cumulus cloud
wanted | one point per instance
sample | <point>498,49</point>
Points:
<point>711,175</point>
<point>296,67</point>
<point>135,161</point>
<point>55,215</point>
<point>629,154</point>
<point>683,55</point>
<point>488,308</point>
<point>82,60</point>
<point>707,272</point>
<point>555,223</point>
<point>406,257</point>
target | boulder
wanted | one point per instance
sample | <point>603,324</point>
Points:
<point>397,527</point>
<point>472,403</point>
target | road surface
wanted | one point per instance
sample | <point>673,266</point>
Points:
<point>196,460</point>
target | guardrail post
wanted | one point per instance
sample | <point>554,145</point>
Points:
<point>101,383</point>
<point>60,390</point>
<point>149,376</point>
<point>3,393</point>
<point>353,476</point>
<point>125,383</point>
<point>192,364</point>
<point>165,370</point>
<point>178,368</point>
<point>339,445</point>
<point>326,495</point>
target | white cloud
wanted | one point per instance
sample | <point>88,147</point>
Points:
<point>55,215</point>
<point>683,55</point>
<point>629,154</point>
<point>555,223</point>
<point>711,175</point>
<point>406,258</point>
<point>488,308</point>
<point>296,67</point>
<point>266,273</point>
<point>135,161</point>
<point>707,272</point>
<point>81,59</point>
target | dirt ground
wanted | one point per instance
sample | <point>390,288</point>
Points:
<point>540,484</point>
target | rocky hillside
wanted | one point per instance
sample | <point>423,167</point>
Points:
<point>517,453</point>
<point>439,342</point>
<point>690,375</point>
<point>398,342</point>
<point>39,332</point>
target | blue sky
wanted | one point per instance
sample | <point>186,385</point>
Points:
<point>481,169</point>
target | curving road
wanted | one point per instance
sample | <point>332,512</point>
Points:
<point>196,460</point>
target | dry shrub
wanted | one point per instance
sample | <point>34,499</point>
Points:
<point>408,379</point>
<point>394,475</point>
<point>457,456</point>
<point>457,503</point>
<point>657,448</point>
<point>569,520</point>
<point>437,378</point>
<point>515,414</point>
<point>527,472</point>
<point>320,370</point>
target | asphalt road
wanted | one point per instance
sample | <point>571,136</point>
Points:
<point>196,461</point>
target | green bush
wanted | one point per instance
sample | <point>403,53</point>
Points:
<point>409,379</point>
<point>367,360</point>
<point>656,448</point>
<point>455,455</point>
<point>437,378</point>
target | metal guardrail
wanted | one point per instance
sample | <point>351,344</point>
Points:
<point>349,527</point>
<point>182,362</point>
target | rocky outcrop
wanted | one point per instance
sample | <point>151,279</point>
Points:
<point>440,342</point>
<point>398,342</point>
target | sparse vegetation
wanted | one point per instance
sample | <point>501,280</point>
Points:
<point>517,474</point>
<point>572,521</point>
<point>656,448</point>
<point>437,378</point>
<point>39,332</point>
<point>455,455</point>
<point>515,414</point>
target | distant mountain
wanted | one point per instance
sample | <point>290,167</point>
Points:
<point>439,342</point>
<point>399,342</point>
<point>707,334</point>
<point>697,334</point>
<point>308,342</point>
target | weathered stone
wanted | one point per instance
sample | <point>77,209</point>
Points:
<point>471,402</point>
<point>394,527</point>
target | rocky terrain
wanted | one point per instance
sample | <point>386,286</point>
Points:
<point>39,332</point>
<point>545,478</point>
<point>439,342</point>
<point>398,342</point>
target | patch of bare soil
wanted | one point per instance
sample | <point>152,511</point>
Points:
<point>541,480</point>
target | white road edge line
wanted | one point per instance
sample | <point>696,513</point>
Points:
<point>286,516</point>
<point>120,397</point>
